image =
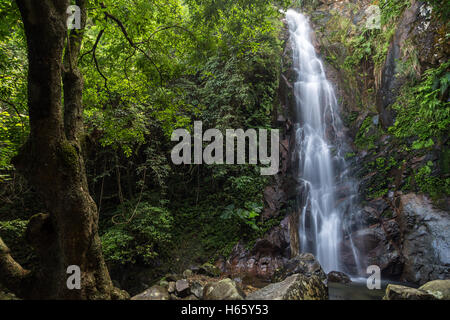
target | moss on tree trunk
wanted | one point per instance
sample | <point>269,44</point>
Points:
<point>53,163</point>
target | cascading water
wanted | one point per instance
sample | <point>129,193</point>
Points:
<point>328,194</point>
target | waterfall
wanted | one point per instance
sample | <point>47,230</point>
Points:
<point>326,202</point>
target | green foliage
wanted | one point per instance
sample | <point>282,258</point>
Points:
<point>14,125</point>
<point>391,10</point>
<point>219,65</point>
<point>421,112</point>
<point>373,44</point>
<point>12,135</point>
<point>349,155</point>
<point>367,134</point>
<point>248,214</point>
<point>362,49</point>
<point>382,179</point>
<point>179,61</point>
<point>13,233</point>
<point>206,59</point>
<point>432,185</point>
<point>140,233</point>
<point>441,8</point>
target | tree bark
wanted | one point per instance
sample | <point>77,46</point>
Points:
<point>53,163</point>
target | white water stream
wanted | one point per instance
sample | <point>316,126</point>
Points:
<point>328,193</point>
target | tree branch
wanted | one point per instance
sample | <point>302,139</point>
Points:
<point>166,28</point>
<point>12,275</point>
<point>16,110</point>
<point>99,36</point>
<point>134,45</point>
<point>94,57</point>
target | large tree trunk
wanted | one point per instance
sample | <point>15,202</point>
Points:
<point>52,161</point>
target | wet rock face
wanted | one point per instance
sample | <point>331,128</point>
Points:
<point>267,255</point>
<point>410,242</point>
<point>426,240</point>
<point>294,287</point>
<point>378,249</point>
<point>390,83</point>
<point>304,263</point>
<point>274,196</point>
<point>415,31</point>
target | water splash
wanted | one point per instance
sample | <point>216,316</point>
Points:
<point>328,194</point>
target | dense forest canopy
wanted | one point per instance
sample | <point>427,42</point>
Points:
<point>148,68</point>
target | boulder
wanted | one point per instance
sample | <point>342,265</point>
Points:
<point>173,277</point>
<point>294,287</point>
<point>187,273</point>
<point>197,289</point>
<point>440,289</point>
<point>225,289</point>
<point>209,269</point>
<point>338,277</point>
<point>370,215</point>
<point>153,293</point>
<point>267,255</point>
<point>182,288</point>
<point>305,264</point>
<point>171,287</point>
<point>7,296</point>
<point>163,283</point>
<point>398,292</point>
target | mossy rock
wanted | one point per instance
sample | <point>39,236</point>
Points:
<point>225,289</point>
<point>294,287</point>
<point>398,292</point>
<point>7,296</point>
<point>209,270</point>
<point>438,288</point>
